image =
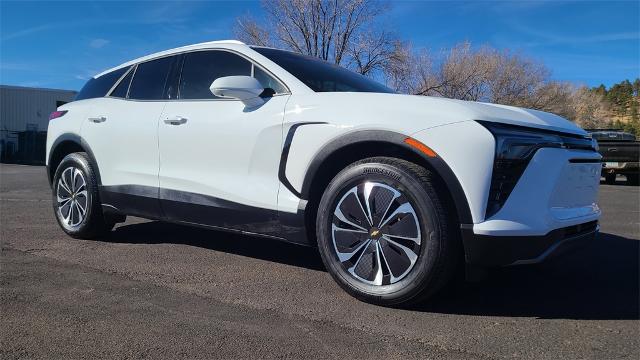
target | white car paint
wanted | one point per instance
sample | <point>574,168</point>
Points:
<point>230,151</point>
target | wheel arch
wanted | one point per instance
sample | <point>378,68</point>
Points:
<point>64,145</point>
<point>349,148</point>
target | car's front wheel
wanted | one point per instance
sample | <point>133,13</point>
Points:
<point>75,198</point>
<point>384,234</point>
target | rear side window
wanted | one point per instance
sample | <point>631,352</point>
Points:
<point>201,68</point>
<point>123,87</point>
<point>149,81</point>
<point>98,87</point>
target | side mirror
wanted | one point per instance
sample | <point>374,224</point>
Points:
<point>244,88</point>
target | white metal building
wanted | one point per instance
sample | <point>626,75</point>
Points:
<point>24,115</point>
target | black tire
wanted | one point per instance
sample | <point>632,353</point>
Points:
<point>438,250</point>
<point>91,223</point>
<point>610,179</point>
<point>632,179</point>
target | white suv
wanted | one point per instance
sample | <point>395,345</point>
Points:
<point>396,191</point>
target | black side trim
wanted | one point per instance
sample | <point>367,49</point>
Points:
<point>202,210</point>
<point>208,210</point>
<point>484,250</point>
<point>585,161</point>
<point>437,163</point>
<point>78,140</point>
<point>136,200</point>
<point>282,176</point>
<point>293,225</point>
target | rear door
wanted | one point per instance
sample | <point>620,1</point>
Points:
<point>122,131</point>
<point>219,159</point>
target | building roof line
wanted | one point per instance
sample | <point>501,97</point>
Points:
<point>16,87</point>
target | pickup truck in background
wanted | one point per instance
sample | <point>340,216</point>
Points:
<point>620,154</point>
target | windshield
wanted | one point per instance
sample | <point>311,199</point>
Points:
<point>320,75</point>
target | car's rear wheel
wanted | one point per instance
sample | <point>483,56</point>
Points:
<point>632,179</point>
<point>76,200</point>
<point>383,232</point>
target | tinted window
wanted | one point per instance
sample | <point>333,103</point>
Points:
<point>268,81</point>
<point>98,87</point>
<point>122,88</point>
<point>201,68</point>
<point>150,79</point>
<point>320,75</point>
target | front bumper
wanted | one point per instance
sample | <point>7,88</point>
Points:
<point>619,167</point>
<point>487,250</point>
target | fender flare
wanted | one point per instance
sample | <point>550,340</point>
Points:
<point>78,140</point>
<point>437,164</point>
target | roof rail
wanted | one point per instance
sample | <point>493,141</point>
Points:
<point>169,52</point>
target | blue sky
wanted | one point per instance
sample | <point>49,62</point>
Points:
<point>61,44</point>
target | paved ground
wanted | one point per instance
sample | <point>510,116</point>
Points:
<point>164,291</point>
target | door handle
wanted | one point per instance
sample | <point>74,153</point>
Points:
<point>98,119</point>
<point>176,120</point>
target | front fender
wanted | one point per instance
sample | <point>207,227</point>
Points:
<point>317,143</point>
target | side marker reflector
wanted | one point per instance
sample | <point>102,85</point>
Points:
<point>420,146</point>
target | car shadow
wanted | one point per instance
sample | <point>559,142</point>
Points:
<point>157,232</point>
<point>598,282</point>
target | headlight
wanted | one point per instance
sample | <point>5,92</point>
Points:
<point>515,146</point>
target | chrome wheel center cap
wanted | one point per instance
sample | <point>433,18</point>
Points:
<point>375,233</point>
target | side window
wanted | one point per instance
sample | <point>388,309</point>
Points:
<point>201,68</point>
<point>149,81</point>
<point>123,87</point>
<point>268,81</point>
<point>98,87</point>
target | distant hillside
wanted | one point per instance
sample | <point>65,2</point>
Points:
<point>622,102</point>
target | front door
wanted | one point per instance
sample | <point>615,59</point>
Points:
<point>219,159</point>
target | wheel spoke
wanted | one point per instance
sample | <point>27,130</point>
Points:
<point>367,200</point>
<point>62,198</point>
<point>78,180</point>
<point>63,182</point>
<point>74,173</point>
<point>65,217</point>
<point>338,213</point>
<point>347,256</point>
<point>63,202</point>
<point>412,256</point>
<point>377,280</point>
<point>83,209</point>
<point>337,228</point>
<point>365,245</point>
<point>382,218</point>
<point>354,191</point>
<point>402,209</point>
<point>386,262</point>
<point>71,212</point>
<point>414,239</point>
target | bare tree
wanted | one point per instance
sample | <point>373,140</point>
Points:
<point>250,32</point>
<point>348,32</point>
<point>339,31</point>
<point>588,109</point>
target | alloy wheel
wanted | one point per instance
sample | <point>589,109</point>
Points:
<point>376,233</point>
<point>72,197</point>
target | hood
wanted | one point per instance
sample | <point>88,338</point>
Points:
<point>510,115</point>
<point>413,113</point>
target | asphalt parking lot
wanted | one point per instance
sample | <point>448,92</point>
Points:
<point>159,290</point>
